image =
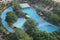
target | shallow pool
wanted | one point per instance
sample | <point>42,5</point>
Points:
<point>20,22</point>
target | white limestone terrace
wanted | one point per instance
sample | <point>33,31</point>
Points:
<point>24,5</point>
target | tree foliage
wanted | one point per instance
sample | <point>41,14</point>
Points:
<point>11,17</point>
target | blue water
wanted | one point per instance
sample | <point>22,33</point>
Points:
<point>19,22</point>
<point>4,23</point>
<point>3,15</point>
<point>43,25</point>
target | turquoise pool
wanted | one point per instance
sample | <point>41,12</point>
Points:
<point>43,25</point>
<point>4,23</point>
<point>18,24</point>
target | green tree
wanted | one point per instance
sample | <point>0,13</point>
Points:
<point>22,35</point>
<point>0,22</point>
<point>30,25</point>
<point>54,19</point>
<point>16,7</point>
<point>11,17</point>
<point>11,36</point>
<point>19,13</point>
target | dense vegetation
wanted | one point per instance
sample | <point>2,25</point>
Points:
<point>54,15</point>
<point>1,26</point>
<point>11,17</point>
<point>0,22</point>
<point>1,7</point>
<point>18,12</point>
<point>52,18</point>
<point>30,31</point>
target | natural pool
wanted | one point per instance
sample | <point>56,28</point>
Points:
<point>43,25</point>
